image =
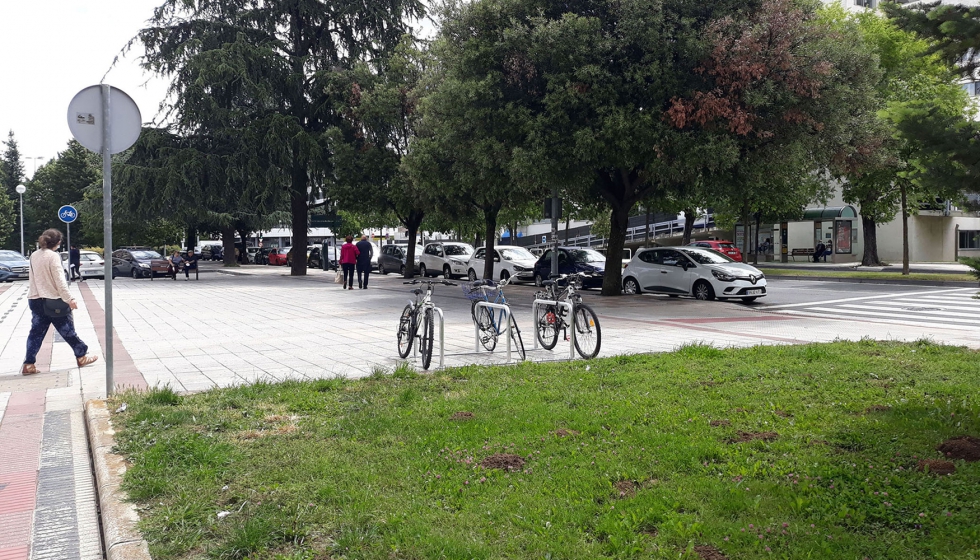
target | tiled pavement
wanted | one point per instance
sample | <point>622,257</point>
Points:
<point>258,324</point>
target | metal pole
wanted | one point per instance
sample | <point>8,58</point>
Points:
<point>554,229</point>
<point>69,253</point>
<point>107,232</point>
<point>21,223</point>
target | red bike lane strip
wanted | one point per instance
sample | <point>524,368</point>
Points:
<point>20,440</point>
<point>125,373</point>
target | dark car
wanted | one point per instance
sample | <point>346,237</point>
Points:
<point>392,259</point>
<point>139,263</point>
<point>262,255</point>
<point>14,266</point>
<point>212,253</point>
<point>572,260</point>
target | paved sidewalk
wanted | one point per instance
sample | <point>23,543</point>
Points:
<point>257,323</point>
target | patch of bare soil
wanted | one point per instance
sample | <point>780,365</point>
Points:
<point>937,467</point>
<point>626,488</point>
<point>562,432</point>
<point>710,383</point>
<point>743,437</point>
<point>503,461</point>
<point>739,409</point>
<point>878,408</point>
<point>962,447</point>
<point>708,552</point>
<point>716,423</point>
<point>462,415</point>
<point>782,413</point>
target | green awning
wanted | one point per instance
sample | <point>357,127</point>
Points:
<point>829,212</point>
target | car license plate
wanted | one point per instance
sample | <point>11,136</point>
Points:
<point>753,292</point>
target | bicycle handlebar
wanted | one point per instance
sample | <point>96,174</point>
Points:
<point>431,282</point>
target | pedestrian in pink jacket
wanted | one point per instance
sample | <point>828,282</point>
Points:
<point>348,258</point>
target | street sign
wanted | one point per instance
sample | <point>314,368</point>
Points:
<point>544,238</point>
<point>67,214</point>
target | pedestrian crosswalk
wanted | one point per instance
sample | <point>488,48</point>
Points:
<point>947,308</point>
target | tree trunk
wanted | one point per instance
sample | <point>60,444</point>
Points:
<point>689,217</point>
<point>191,237</point>
<point>299,214</point>
<point>870,242</point>
<point>412,224</point>
<point>905,231</point>
<point>646,231</point>
<point>490,221</point>
<point>755,238</point>
<point>612,281</point>
<point>228,245</point>
<point>745,231</point>
<point>243,235</point>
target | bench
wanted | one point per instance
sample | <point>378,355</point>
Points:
<point>807,252</point>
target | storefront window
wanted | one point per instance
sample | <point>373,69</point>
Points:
<point>970,239</point>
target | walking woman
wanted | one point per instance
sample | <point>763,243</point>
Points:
<point>51,303</point>
<point>348,257</point>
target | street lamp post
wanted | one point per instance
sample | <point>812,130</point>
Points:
<point>21,189</point>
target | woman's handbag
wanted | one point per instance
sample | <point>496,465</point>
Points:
<point>339,277</point>
<point>55,308</point>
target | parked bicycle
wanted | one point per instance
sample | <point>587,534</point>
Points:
<point>550,320</point>
<point>490,321</point>
<point>416,314</point>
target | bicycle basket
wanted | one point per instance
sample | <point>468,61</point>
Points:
<point>475,293</point>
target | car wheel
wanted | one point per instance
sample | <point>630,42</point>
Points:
<point>401,271</point>
<point>538,280</point>
<point>381,269</point>
<point>471,275</point>
<point>133,272</point>
<point>749,299</point>
<point>631,286</point>
<point>703,291</point>
<point>504,275</point>
<point>447,272</point>
<point>422,271</point>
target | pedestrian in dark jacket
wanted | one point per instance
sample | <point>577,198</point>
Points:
<point>75,262</point>
<point>348,257</point>
<point>365,254</point>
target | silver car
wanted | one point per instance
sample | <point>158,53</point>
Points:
<point>18,266</point>
<point>702,273</point>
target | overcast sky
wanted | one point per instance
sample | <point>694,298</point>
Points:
<point>51,49</point>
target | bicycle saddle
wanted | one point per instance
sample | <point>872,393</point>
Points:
<point>417,292</point>
<point>553,276</point>
<point>547,282</point>
<point>479,283</point>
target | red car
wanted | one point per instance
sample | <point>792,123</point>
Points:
<point>726,248</point>
<point>277,257</point>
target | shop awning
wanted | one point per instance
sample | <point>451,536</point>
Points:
<point>829,212</point>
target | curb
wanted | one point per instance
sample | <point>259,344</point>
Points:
<point>937,283</point>
<point>121,539</point>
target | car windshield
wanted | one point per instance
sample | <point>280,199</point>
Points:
<point>726,245</point>
<point>456,250</point>
<point>706,256</point>
<point>517,254</point>
<point>146,255</point>
<point>11,256</point>
<point>586,256</point>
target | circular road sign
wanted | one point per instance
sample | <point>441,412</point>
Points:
<point>85,119</point>
<point>68,214</point>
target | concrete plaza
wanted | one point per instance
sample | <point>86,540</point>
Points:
<point>256,323</point>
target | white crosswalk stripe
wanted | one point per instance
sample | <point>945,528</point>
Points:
<point>952,309</point>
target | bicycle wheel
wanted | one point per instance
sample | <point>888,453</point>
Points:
<point>488,330</point>
<point>588,336</point>
<point>547,325</point>
<point>406,334</point>
<point>517,339</point>
<point>426,341</point>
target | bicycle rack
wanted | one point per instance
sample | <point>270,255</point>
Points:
<point>571,317</point>
<point>442,338</point>
<point>503,307</point>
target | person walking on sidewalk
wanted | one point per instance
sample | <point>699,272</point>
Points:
<point>51,303</point>
<point>348,257</point>
<point>75,263</point>
<point>365,252</point>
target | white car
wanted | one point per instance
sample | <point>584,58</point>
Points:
<point>702,273</point>
<point>450,258</point>
<point>507,261</point>
<point>91,264</point>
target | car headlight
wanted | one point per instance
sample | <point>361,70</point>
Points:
<point>144,265</point>
<point>457,262</point>
<point>5,268</point>
<point>520,268</point>
<point>723,276</point>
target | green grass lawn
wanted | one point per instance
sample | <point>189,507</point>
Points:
<point>869,275</point>
<point>767,452</point>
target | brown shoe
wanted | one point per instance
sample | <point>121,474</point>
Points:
<point>28,369</point>
<point>86,360</point>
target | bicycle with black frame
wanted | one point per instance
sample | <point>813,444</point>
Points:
<point>490,321</point>
<point>419,314</point>
<point>550,320</point>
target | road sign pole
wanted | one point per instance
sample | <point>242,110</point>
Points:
<point>107,232</point>
<point>69,252</point>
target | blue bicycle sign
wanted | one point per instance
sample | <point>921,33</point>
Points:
<point>68,214</point>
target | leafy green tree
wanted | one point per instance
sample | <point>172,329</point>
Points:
<point>11,175</point>
<point>61,181</point>
<point>269,74</point>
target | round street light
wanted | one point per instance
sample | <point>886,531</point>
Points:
<point>21,189</point>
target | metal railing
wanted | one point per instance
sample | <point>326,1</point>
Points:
<point>505,316</point>
<point>442,337</point>
<point>571,314</point>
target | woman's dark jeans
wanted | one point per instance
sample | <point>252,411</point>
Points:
<point>348,274</point>
<point>39,327</point>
